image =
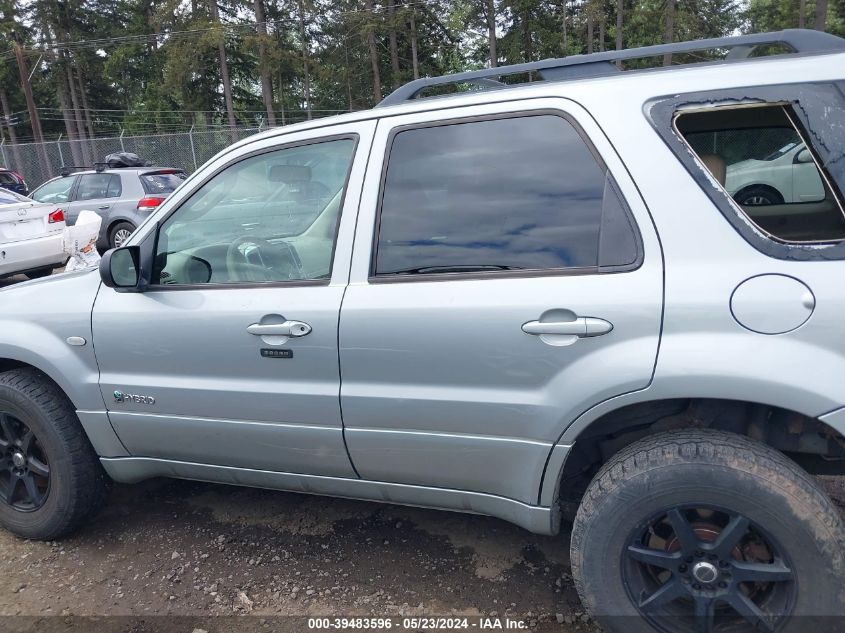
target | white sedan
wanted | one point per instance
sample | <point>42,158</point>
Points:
<point>788,175</point>
<point>30,236</point>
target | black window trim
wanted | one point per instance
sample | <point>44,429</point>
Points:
<point>373,278</point>
<point>292,283</point>
<point>661,113</point>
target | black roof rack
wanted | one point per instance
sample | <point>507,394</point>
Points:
<point>598,64</point>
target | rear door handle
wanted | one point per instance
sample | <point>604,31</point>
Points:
<point>104,207</point>
<point>581,327</point>
<point>288,328</point>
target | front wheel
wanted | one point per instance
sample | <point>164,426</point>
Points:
<point>706,531</point>
<point>50,478</point>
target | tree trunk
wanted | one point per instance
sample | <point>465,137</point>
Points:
<point>346,75</point>
<point>266,83</point>
<point>33,111</point>
<point>491,33</point>
<point>565,38</point>
<point>601,33</point>
<point>86,110</point>
<point>820,23</point>
<point>802,12</point>
<point>526,37</point>
<point>394,49</point>
<point>13,135</point>
<point>224,70</point>
<point>70,126</point>
<point>302,36</point>
<point>589,30</point>
<point>76,111</point>
<point>669,34</point>
<point>371,44</point>
<point>620,14</point>
<point>414,59</point>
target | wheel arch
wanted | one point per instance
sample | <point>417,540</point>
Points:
<point>762,185</point>
<point>812,442</point>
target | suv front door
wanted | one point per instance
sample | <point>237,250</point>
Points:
<point>507,290</point>
<point>230,357</point>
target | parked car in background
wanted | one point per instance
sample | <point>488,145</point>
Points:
<point>787,175</point>
<point>13,181</point>
<point>30,236</point>
<point>123,197</point>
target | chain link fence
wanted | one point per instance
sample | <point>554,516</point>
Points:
<point>38,162</point>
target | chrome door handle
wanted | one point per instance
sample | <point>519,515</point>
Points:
<point>104,207</point>
<point>288,328</point>
<point>580,327</point>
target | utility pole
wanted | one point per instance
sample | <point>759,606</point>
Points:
<point>35,122</point>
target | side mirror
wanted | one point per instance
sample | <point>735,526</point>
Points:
<point>120,268</point>
<point>804,156</point>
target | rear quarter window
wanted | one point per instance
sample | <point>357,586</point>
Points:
<point>775,154</point>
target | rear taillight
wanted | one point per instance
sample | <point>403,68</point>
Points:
<point>56,216</point>
<point>145,204</point>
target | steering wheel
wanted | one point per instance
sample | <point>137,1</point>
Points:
<point>278,261</point>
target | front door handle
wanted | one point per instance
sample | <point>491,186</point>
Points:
<point>580,327</point>
<point>104,207</point>
<point>288,328</point>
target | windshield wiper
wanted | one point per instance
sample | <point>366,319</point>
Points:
<point>452,268</point>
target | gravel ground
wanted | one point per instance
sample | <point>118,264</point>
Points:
<point>190,549</point>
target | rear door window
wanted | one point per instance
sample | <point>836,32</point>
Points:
<point>95,186</point>
<point>761,156</point>
<point>516,193</point>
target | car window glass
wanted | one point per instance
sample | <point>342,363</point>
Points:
<point>54,191</point>
<point>759,155</point>
<point>163,182</point>
<point>115,188</point>
<point>267,218</point>
<point>7,179</point>
<point>519,193</point>
<point>94,186</point>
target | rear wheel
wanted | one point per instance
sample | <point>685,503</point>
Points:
<point>705,531</point>
<point>50,477</point>
<point>119,233</point>
<point>41,272</point>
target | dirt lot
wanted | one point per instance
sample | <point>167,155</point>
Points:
<point>191,549</point>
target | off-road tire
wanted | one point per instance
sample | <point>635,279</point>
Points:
<point>78,484</point>
<point>702,466</point>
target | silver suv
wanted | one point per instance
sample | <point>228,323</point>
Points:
<point>537,302</point>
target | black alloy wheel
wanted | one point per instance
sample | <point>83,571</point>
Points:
<point>24,469</point>
<point>704,569</point>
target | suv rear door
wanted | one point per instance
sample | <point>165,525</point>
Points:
<point>513,281</point>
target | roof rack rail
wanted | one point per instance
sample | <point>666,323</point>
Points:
<point>598,64</point>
